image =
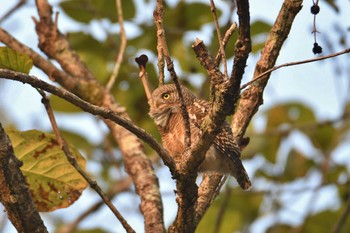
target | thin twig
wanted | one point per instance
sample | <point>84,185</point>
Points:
<point>163,48</point>
<point>19,4</point>
<point>342,220</point>
<point>227,36</point>
<point>221,42</point>
<point>261,76</point>
<point>142,62</point>
<point>65,148</point>
<point>93,109</point>
<point>118,187</point>
<point>122,47</point>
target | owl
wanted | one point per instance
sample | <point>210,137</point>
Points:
<point>224,154</point>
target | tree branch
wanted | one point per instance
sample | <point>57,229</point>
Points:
<point>342,220</point>
<point>121,47</point>
<point>242,50</point>
<point>221,42</point>
<point>251,98</point>
<point>85,106</point>
<point>120,186</point>
<point>263,75</point>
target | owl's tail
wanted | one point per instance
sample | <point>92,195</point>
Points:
<point>241,175</point>
<point>243,179</point>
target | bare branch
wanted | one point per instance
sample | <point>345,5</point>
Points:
<point>242,50</point>
<point>342,220</point>
<point>263,75</point>
<point>93,109</point>
<point>207,192</point>
<point>117,188</point>
<point>221,42</point>
<point>122,46</point>
<point>19,4</point>
<point>227,36</point>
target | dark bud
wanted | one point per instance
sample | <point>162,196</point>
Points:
<point>315,9</point>
<point>316,49</point>
<point>142,60</point>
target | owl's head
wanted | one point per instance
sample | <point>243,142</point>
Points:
<point>165,101</point>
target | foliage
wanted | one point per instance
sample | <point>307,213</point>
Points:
<point>279,172</point>
<point>53,181</point>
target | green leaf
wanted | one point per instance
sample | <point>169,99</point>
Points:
<point>290,113</point>
<point>53,181</point>
<point>85,11</point>
<point>325,221</point>
<point>266,145</point>
<point>297,166</point>
<point>260,27</point>
<point>323,137</point>
<point>97,55</point>
<point>12,60</point>
<point>187,16</point>
<point>60,105</point>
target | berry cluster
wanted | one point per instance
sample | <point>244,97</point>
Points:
<point>315,9</point>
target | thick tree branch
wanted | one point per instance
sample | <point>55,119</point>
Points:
<point>251,98</point>
<point>15,195</point>
<point>207,192</point>
<point>242,50</point>
<point>55,45</point>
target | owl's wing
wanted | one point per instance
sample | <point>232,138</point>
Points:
<point>224,142</point>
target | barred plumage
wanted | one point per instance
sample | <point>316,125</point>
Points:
<point>223,156</point>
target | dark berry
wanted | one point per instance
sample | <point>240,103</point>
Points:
<point>316,49</point>
<point>315,9</point>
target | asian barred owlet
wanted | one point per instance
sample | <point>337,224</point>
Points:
<point>224,154</point>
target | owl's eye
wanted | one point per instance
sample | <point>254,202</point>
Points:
<point>166,96</point>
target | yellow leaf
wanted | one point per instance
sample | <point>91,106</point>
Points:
<point>53,181</point>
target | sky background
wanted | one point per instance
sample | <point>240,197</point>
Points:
<point>314,84</point>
